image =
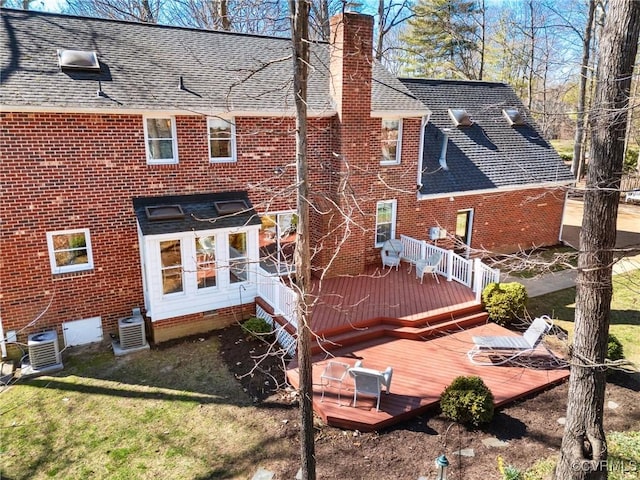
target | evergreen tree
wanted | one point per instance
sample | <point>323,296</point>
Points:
<point>443,40</point>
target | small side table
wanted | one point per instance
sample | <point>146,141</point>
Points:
<point>334,372</point>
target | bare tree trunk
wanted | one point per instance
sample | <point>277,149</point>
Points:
<point>532,56</point>
<point>380,38</point>
<point>584,448</point>
<point>224,15</point>
<point>586,49</point>
<point>483,44</point>
<point>300,38</point>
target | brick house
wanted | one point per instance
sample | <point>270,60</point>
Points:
<point>151,166</point>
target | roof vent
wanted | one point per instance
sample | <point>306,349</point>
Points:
<point>513,116</point>
<point>460,117</point>
<point>78,60</point>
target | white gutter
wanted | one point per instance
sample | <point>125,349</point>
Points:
<point>510,188</point>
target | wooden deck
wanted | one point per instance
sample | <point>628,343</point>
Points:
<point>421,371</point>
<point>385,294</point>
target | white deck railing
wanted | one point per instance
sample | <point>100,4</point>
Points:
<point>282,299</point>
<point>471,273</point>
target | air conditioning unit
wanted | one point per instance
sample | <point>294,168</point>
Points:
<point>44,354</point>
<point>132,333</point>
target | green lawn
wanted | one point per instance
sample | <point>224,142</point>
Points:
<point>625,311</point>
<point>174,413</point>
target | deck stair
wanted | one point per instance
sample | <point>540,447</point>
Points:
<point>466,316</point>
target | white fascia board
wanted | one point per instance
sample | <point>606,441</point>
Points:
<point>400,113</point>
<point>169,112</point>
<point>510,188</point>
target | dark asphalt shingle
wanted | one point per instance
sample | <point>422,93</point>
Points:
<point>141,65</point>
<point>490,154</point>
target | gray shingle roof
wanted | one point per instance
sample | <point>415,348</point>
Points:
<point>199,213</point>
<point>141,66</point>
<point>489,154</point>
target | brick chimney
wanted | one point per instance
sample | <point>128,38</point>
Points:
<point>351,62</point>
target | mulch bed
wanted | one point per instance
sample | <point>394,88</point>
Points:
<point>408,450</point>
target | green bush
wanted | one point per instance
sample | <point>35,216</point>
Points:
<point>614,348</point>
<point>505,302</point>
<point>631,160</point>
<point>257,327</point>
<point>468,401</point>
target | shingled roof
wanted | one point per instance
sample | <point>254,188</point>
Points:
<point>490,154</point>
<point>141,66</point>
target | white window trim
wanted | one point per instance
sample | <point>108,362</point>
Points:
<point>394,213</point>
<point>398,146</point>
<point>174,139</point>
<point>233,157</point>
<point>55,269</point>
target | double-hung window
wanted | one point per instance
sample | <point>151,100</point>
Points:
<point>390,141</point>
<point>70,251</point>
<point>222,140</point>
<point>160,138</point>
<point>171,267</point>
<point>238,259</point>
<point>385,221</point>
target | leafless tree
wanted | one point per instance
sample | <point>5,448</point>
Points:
<point>584,448</point>
<point>300,43</point>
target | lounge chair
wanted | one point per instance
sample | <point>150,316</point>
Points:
<point>391,252</point>
<point>430,265</point>
<point>506,348</point>
<point>370,382</point>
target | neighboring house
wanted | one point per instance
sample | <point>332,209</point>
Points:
<point>152,166</point>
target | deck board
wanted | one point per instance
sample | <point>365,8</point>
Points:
<point>384,293</point>
<point>421,371</point>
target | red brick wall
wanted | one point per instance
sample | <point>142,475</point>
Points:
<point>68,171</point>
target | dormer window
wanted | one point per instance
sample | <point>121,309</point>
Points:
<point>391,141</point>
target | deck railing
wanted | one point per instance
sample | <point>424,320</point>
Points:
<point>471,273</point>
<point>282,299</point>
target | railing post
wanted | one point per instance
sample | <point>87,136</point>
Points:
<point>423,250</point>
<point>477,278</point>
<point>449,257</point>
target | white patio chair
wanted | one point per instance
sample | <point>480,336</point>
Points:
<point>507,348</point>
<point>430,265</point>
<point>391,252</point>
<point>368,381</point>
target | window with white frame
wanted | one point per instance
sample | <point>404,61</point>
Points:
<point>390,141</point>
<point>70,251</point>
<point>171,266</point>
<point>160,138</point>
<point>206,261</point>
<point>222,140</point>
<point>385,221</point>
<point>238,260</point>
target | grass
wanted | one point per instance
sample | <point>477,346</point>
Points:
<point>623,462</point>
<point>173,413</point>
<point>528,264</point>
<point>625,311</point>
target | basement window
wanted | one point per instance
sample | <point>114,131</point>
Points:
<point>78,60</point>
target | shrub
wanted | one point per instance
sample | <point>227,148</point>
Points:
<point>631,160</point>
<point>505,302</point>
<point>468,401</point>
<point>614,349</point>
<point>257,327</point>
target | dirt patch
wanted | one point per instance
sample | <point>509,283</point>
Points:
<point>530,427</point>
